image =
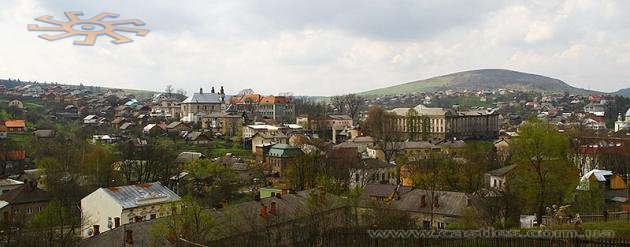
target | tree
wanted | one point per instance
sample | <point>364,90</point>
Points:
<point>169,90</point>
<point>543,172</point>
<point>302,172</point>
<point>181,91</point>
<point>192,224</point>
<point>54,226</point>
<point>338,103</point>
<point>353,104</point>
<point>211,181</point>
<point>381,126</point>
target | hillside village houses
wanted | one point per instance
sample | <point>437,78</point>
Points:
<point>109,208</point>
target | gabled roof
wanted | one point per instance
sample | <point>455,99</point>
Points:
<point>132,196</point>
<point>284,151</point>
<point>15,123</point>
<point>25,194</point>
<point>502,171</point>
<point>204,98</point>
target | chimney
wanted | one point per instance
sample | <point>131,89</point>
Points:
<point>222,92</point>
<point>257,197</point>
<point>96,230</point>
<point>263,210</point>
<point>212,90</point>
<point>278,196</point>
<point>285,191</point>
<point>423,201</point>
<point>273,208</point>
<point>116,222</point>
<point>201,90</point>
<point>436,201</point>
<point>129,236</point>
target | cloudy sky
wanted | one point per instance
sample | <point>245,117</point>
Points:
<point>323,47</point>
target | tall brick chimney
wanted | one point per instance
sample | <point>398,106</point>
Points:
<point>274,209</point>
<point>263,210</point>
<point>129,236</point>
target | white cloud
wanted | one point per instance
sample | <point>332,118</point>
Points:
<point>323,48</point>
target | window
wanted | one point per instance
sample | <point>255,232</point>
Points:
<point>426,224</point>
<point>153,216</point>
<point>29,210</point>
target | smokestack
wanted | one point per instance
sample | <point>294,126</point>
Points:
<point>129,236</point>
<point>423,201</point>
<point>273,208</point>
<point>201,90</point>
<point>263,210</point>
<point>212,90</point>
<point>96,230</point>
<point>436,202</point>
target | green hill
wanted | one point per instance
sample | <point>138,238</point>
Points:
<point>623,92</point>
<point>481,79</point>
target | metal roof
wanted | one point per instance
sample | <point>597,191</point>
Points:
<point>203,98</point>
<point>132,196</point>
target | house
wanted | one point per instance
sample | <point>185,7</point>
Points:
<point>15,125</point>
<point>197,137</point>
<point>280,155</point>
<point>225,123</point>
<point>595,109</point>
<point>152,129</point>
<point>44,134</point>
<point>16,104</point>
<point>620,124</point>
<point>90,119</point>
<point>109,208</point>
<point>177,127</point>
<point>7,184</point>
<point>425,208</point>
<point>201,104</point>
<point>185,157</point>
<point>497,179</point>
<point>21,204</point>
<point>126,126</point>
<point>371,171</point>
<point>613,186</point>
<point>262,138</point>
<point>589,157</point>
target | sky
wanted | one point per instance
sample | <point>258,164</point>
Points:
<point>324,47</point>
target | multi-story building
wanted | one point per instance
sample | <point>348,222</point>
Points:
<point>201,104</point>
<point>423,122</point>
<point>280,109</point>
<point>620,124</point>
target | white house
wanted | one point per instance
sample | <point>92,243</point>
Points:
<point>90,119</point>
<point>620,124</point>
<point>108,208</point>
<point>497,179</point>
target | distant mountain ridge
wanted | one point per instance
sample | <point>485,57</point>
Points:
<point>623,92</point>
<point>481,80</point>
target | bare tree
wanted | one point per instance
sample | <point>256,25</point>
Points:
<point>338,103</point>
<point>169,90</point>
<point>353,104</point>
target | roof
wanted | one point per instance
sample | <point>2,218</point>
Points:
<point>193,136</point>
<point>284,151</point>
<point>502,171</point>
<point>173,124</point>
<point>599,175</point>
<point>25,194</point>
<point>88,117</point>
<point>339,117</point>
<point>3,128</point>
<point>44,133</point>
<point>125,126</point>
<point>371,163</point>
<point>132,196</point>
<point>15,123</point>
<point>8,181</point>
<point>204,98</point>
<point>274,100</point>
<point>628,113</point>
<point>382,190</point>
<point>449,203</point>
<point>185,157</point>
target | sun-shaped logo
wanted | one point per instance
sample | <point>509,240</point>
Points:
<point>91,28</point>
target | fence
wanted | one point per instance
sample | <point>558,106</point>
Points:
<point>622,215</point>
